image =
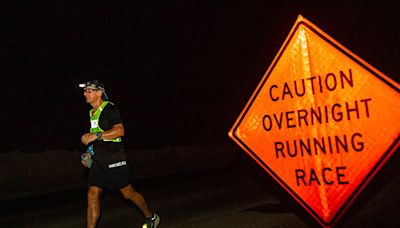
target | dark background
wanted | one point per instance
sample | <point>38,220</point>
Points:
<point>180,71</point>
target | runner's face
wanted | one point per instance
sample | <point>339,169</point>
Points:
<point>91,94</point>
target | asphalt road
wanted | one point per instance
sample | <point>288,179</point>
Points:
<point>229,197</point>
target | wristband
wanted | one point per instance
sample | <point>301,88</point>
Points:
<point>99,135</point>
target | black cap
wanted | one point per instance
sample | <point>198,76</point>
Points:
<point>96,84</point>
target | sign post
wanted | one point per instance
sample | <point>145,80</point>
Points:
<point>321,122</point>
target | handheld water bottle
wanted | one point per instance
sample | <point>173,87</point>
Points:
<point>86,159</point>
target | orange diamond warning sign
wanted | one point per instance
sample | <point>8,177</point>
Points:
<point>322,122</point>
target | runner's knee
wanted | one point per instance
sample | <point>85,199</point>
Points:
<point>93,194</point>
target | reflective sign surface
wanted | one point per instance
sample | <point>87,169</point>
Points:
<point>322,122</point>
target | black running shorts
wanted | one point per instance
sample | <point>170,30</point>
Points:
<point>108,178</point>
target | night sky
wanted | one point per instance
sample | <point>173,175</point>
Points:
<point>180,71</point>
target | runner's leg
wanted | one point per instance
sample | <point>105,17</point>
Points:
<point>129,193</point>
<point>93,209</point>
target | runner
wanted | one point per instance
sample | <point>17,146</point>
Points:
<point>106,156</point>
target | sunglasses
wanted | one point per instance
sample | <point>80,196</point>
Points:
<point>89,90</point>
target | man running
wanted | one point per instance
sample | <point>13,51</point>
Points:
<point>106,156</point>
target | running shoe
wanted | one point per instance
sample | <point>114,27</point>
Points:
<point>151,222</point>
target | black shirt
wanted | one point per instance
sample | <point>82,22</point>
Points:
<point>109,152</point>
<point>109,117</point>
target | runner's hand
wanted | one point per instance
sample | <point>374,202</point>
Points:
<point>88,138</point>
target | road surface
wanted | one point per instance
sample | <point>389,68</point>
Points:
<point>226,197</point>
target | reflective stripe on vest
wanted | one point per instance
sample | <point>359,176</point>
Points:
<point>94,121</point>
